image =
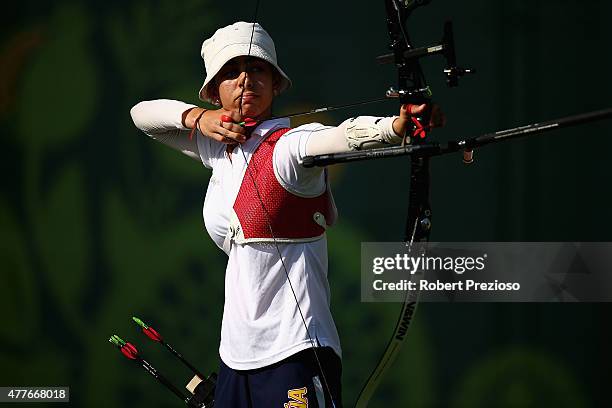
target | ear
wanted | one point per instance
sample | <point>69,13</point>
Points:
<point>213,90</point>
<point>276,82</point>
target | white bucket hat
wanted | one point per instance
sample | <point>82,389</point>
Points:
<point>235,41</point>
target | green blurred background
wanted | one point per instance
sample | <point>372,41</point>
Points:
<point>99,223</point>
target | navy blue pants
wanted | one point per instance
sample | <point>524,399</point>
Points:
<point>291,383</point>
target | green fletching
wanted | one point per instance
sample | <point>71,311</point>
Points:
<point>140,322</point>
<point>116,340</point>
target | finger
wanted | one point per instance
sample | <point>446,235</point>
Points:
<point>224,139</point>
<point>405,111</point>
<point>227,123</point>
<point>234,128</point>
<point>234,115</point>
<point>234,136</point>
<point>414,110</point>
<point>220,134</point>
<point>226,119</point>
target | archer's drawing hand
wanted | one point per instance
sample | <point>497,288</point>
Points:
<point>212,126</point>
<point>408,111</point>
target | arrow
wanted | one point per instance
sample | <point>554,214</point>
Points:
<point>154,335</point>
<point>203,389</point>
<point>130,352</point>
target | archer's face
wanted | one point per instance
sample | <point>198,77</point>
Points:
<point>250,82</point>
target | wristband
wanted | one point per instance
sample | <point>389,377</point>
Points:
<point>197,124</point>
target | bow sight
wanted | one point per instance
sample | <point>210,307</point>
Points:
<point>446,47</point>
<point>412,86</point>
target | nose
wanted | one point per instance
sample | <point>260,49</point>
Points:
<point>245,80</point>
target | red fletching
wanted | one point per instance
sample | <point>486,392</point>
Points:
<point>226,119</point>
<point>249,122</point>
<point>129,351</point>
<point>152,334</point>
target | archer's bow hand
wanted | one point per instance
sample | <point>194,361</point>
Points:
<point>409,114</point>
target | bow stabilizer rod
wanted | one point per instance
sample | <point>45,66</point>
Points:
<point>437,149</point>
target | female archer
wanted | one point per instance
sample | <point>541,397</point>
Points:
<point>268,213</point>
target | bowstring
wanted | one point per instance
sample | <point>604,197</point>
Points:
<point>313,344</point>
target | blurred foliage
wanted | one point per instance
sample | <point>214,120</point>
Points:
<point>519,378</point>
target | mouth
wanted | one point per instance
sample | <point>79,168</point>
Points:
<point>248,96</point>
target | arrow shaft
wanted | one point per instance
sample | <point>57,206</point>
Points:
<point>159,377</point>
<point>183,360</point>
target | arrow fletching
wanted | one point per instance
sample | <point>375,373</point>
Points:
<point>152,334</point>
<point>127,349</point>
<point>148,330</point>
<point>248,122</point>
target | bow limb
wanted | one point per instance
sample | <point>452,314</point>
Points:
<point>412,89</point>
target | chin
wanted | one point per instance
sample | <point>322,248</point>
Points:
<point>251,111</point>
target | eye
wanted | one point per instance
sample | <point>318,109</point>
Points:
<point>255,68</point>
<point>230,73</point>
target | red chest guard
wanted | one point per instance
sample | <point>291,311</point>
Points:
<point>292,217</point>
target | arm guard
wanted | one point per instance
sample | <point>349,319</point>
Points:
<point>368,132</point>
